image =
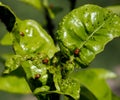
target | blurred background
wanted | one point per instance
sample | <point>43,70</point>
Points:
<point>109,58</point>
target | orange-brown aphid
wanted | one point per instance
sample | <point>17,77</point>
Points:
<point>22,34</point>
<point>76,51</point>
<point>37,76</point>
<point>45,61</point>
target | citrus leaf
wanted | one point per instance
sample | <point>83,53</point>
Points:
<point>28,35</point>
<point>35,3</point>
<point>41,89</point>
<point>66,86</point>
<point>32,46</point>
<point>14,83</point>
<point>94,81</point>
<point>12,63</point>
<point>88,29</point>
<point>85,94</point>
<point>7,39</point>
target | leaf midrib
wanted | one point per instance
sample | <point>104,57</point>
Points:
<point>87,39</point>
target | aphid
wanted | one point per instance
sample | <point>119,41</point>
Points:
<point>37,76</point>
<point>22,34</point>
<point>45,61</point>
<point>76,51</point>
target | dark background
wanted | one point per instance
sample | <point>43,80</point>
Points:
<point>108,59</point>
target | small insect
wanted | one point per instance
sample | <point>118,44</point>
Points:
<point>76,51</point>
<point>45,61</point>
<point>37,76</point>
<point>22,34</point>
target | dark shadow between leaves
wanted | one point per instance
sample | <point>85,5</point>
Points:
<point>19,72</point>
<point>7,17</point>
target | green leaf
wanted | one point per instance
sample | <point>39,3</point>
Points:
<point>94,81</point>
<point>12,63</point>
<point>35,3</point>
<point>32,45</point>
<point>33,68</point>
<point>88,29</point>
<point>7,39</point>
<point>14,83</point>
<point>41,89</point>
<point>30,37</point>
<point>66,86</point>
<point>115,9</point>
<point>85,94</point>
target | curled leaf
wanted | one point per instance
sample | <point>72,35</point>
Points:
<point>88,28</point>
<point>66,86</point>
<point>30,37</point>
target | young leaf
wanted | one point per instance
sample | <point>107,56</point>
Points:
<point>94,81</point>
<point>85,94</point>
<point>12,63</point>
<point>7,39</point>
<point>30,42</point>
<point>66,86</point>
<point>88,28</point>
<point>14,83</point>
<point>35,3</point>
<point>28,35</point>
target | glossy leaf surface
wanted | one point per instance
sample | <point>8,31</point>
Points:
<point>30,37</point>
<point>7,39</point>
<point>95,81</point>
<point>88,28</point>
<point>82,34</point>
<point>14,83</point>
<point>66,86</point>
<point>32,45</point>
<point>85,94</point>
